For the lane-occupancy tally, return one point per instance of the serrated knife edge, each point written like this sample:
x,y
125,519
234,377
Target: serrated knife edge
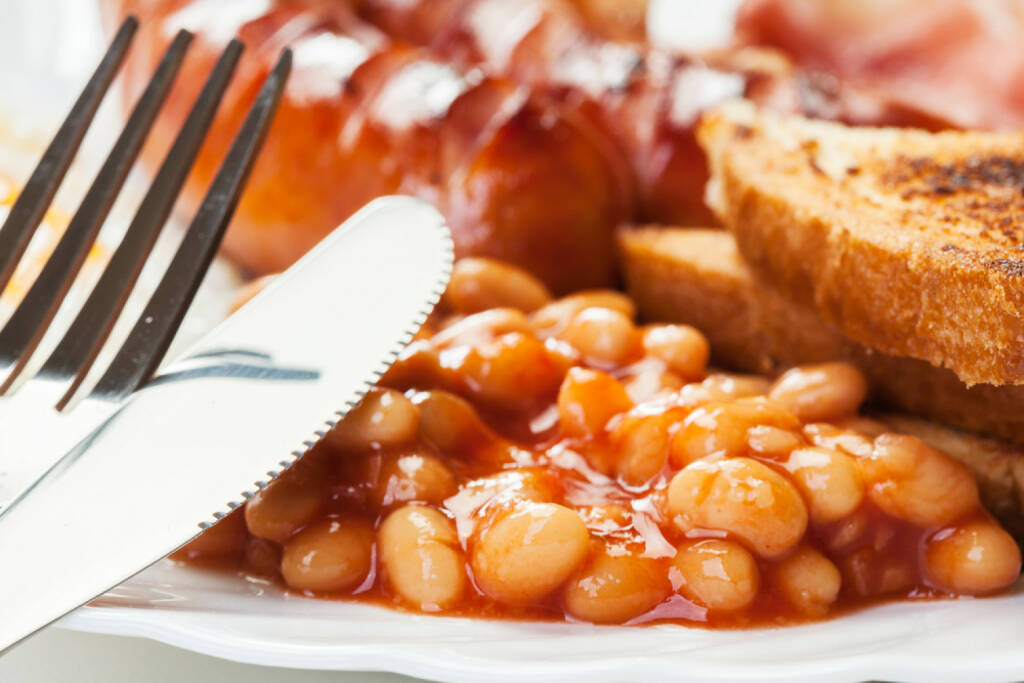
x,y
432,300
167,462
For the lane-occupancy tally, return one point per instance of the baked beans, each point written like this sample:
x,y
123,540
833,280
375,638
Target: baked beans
x,y
451,425
383,418
555,317
587,400
603,336
641,443
537,458
410,477
520,557
509,488
722,429
743,497
481,327
772,442
723,386
478,284
227,538
976,558
290,502
914,482
851,442
513,372
809,581
829,480
614,587
647,380
421,557
331,556
683,348
814,393
719,575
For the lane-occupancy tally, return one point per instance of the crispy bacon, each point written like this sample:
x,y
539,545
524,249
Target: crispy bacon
x,y
958,63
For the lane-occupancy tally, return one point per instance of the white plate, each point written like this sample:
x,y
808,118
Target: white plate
x,y
222,615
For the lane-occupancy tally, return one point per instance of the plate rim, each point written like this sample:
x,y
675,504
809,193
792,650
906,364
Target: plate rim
x,y
225,636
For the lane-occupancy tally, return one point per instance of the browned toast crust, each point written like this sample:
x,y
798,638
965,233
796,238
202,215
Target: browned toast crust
x,y
912,243
697,277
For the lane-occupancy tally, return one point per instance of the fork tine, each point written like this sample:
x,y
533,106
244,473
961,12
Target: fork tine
x,y
27,324
38,192
76,351
145,347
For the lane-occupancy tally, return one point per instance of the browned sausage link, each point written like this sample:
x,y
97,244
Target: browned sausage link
x,y
519,177
646,102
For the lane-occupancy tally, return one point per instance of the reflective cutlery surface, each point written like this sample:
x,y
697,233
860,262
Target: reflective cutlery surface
x,y
42,416
95,489
214,427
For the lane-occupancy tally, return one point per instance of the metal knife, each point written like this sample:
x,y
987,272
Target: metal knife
x,y
245,401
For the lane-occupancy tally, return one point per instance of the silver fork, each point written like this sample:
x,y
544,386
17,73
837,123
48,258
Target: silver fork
x,y
42,422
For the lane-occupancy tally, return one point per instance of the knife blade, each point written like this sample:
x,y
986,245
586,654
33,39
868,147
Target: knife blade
x,y
244,402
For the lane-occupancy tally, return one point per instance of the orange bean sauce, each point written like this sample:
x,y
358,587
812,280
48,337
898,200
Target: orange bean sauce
x,y
611,491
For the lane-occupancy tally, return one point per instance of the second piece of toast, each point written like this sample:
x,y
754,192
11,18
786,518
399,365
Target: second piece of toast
x,y
697,277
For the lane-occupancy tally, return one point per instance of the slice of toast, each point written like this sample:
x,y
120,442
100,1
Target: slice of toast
x,y
697,277
912,243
